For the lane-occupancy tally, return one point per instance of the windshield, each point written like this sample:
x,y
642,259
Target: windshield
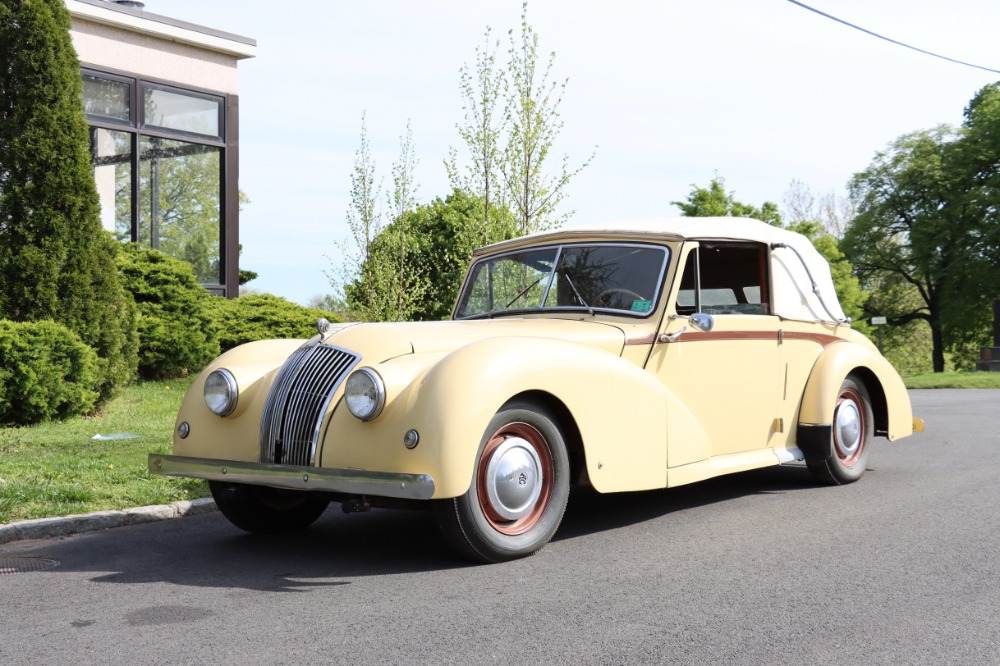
x,y
625,278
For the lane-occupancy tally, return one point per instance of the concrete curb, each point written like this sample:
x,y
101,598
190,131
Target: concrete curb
x,y
43,528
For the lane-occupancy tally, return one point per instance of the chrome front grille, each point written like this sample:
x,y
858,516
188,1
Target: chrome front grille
x,y
299,397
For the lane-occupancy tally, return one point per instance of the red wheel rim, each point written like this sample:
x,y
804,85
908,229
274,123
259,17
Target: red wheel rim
x,y
850,427
526,436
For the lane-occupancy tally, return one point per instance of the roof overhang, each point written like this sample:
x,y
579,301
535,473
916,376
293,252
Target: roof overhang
x,y
162,27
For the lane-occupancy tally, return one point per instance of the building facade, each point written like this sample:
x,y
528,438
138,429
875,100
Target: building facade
x,y
162,104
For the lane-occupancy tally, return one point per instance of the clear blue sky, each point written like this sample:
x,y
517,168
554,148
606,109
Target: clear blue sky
x,y
761,91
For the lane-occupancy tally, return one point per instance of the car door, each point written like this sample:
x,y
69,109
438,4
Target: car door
x,y
727,377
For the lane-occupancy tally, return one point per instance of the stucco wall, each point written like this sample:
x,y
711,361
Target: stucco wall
x,y
148,56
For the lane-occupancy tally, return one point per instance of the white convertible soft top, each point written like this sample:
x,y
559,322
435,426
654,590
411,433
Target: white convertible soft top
x,y
802,288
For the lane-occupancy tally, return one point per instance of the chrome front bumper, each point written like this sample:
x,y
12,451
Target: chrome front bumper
x,y
350,481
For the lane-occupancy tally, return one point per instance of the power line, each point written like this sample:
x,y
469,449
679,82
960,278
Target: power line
x,y
875,34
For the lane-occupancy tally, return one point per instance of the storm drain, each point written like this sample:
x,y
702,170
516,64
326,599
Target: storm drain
x,y
16,565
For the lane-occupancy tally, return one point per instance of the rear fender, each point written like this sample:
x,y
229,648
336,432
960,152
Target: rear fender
x,y
890,402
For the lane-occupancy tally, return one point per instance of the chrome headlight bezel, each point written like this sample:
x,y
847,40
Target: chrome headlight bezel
x,y
221,392
364,394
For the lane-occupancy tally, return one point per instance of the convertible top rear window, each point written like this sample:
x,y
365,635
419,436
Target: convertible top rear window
x,y
611,277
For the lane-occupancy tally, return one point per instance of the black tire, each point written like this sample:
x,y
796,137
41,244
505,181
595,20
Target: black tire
x,y
844,458
264,510
495,521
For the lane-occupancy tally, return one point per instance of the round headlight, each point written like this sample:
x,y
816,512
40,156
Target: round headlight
x,y
364,394
221,392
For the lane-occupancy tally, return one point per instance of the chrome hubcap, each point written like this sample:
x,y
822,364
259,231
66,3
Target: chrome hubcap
x,y
847,428
514,478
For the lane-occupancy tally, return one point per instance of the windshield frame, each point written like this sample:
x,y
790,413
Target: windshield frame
x,y
591,308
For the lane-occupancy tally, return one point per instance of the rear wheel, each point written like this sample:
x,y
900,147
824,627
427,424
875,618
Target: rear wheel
x,y
264,510
845,458
517,497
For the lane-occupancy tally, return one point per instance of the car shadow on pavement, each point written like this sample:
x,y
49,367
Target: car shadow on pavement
x,y
590,512
206,551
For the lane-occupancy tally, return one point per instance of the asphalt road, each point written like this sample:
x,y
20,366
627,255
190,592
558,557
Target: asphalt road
x,y
759,568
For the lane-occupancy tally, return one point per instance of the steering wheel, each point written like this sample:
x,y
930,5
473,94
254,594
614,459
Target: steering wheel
x,y
620,290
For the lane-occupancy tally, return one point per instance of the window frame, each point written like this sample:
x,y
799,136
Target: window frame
x,y
466,291
228,140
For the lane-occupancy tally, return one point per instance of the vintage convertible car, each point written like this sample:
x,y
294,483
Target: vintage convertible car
x,y
628,356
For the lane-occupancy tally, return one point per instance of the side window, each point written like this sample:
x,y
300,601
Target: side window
x,y
725,278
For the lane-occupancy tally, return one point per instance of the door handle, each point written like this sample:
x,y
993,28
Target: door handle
x,y
672,337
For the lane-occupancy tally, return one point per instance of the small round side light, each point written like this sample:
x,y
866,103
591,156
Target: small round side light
x,y
184,429
411,439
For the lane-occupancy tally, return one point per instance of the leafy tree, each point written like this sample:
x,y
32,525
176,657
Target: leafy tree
x,y
482,133
56,262
714,201
375,276
926,234
444,235
511,151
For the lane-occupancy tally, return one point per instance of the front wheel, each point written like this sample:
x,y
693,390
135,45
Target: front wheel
x,y
264,510
519,491
845,458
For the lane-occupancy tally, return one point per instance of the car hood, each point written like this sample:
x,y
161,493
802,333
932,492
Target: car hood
x,y
382,341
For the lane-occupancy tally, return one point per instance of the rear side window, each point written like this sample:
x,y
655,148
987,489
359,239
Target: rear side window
x,y
725,278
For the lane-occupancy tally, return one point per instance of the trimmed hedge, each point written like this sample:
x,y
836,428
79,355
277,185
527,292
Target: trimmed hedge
x,y
46,372
263,317
177,333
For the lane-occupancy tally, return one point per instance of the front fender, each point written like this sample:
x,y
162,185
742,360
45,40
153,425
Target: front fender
x,y
620,410
237,436
890,401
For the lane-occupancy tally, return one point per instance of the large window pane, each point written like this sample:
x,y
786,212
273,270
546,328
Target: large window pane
x,y
179,211
177,111
107,98
111,155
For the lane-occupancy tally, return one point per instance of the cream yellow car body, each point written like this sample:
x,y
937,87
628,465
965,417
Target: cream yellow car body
x,y
643,402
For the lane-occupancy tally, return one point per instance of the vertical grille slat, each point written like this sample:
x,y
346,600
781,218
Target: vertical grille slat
x,y
299,397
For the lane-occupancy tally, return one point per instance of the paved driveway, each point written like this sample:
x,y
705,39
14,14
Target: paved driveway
x,y
759,568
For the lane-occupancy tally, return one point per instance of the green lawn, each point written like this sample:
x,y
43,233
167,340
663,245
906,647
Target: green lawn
x,y
989,380
57,469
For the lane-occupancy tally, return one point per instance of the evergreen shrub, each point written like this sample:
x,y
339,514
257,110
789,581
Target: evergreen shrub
x,y
56,261
263,317
177,334
46,372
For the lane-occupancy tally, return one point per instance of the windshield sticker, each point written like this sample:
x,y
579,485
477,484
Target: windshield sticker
x,y
642,306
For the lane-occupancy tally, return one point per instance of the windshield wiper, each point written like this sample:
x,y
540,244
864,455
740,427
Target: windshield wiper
x,y
578,296
523,292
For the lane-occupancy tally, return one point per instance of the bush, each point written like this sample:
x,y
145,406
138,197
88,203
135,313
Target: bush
x,y
177,334
46,372
263,317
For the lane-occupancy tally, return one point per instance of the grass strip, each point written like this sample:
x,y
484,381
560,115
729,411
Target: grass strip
x,y
57,468
982,380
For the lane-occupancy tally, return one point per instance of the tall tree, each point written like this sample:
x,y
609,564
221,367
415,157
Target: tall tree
x,y
532,112
438,233
928,228
482,131
56,261
715,201
377,278
511,161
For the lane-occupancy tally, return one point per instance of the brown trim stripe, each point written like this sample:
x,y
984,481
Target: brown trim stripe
x,y
821,339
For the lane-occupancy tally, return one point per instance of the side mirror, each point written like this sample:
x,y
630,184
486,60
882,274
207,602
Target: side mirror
x,y
703,321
